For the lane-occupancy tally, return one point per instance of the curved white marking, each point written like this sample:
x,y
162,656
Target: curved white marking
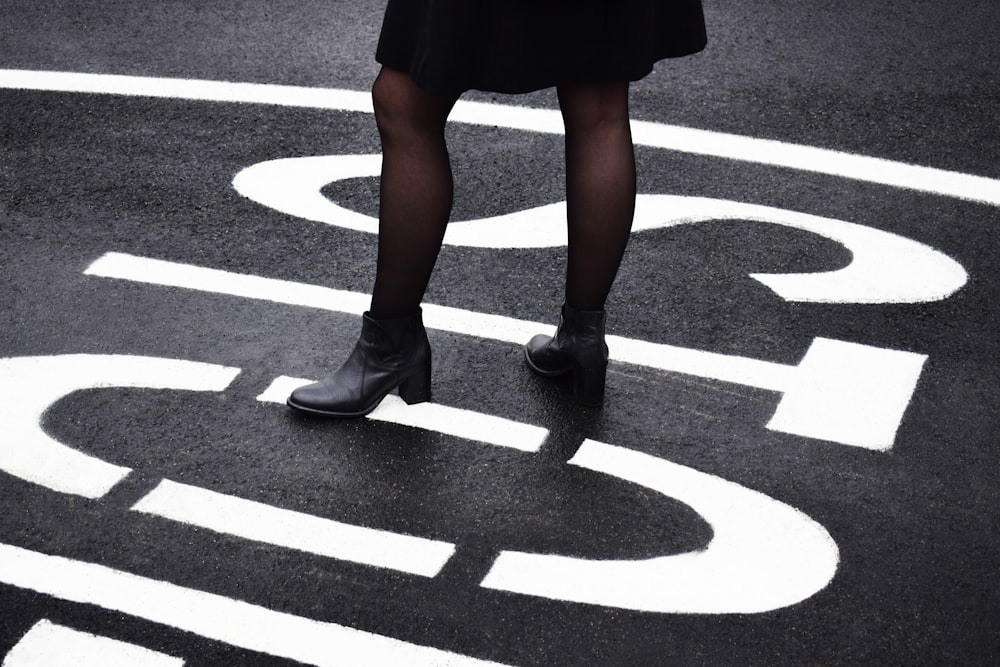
x,y
261,522
292,186
887,268
29,385
657,135
764,554
215,617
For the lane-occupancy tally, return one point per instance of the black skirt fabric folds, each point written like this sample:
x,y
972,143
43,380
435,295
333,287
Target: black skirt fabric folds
x,y
516,46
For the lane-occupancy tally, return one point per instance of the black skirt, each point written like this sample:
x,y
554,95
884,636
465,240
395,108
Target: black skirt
x,y
516,46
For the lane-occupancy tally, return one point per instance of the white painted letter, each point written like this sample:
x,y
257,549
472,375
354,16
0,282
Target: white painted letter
x,y
764,554
30,385
887,268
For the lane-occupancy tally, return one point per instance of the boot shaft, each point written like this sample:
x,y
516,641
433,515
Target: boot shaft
x,y
580,336
397,341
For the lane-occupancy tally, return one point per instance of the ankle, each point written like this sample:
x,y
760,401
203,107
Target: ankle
x,y
583,307
390,314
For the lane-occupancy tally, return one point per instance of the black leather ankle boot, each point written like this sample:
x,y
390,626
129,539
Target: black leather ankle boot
x,y
578,349
389,354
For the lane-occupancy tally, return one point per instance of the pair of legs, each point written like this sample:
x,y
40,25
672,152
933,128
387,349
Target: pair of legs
x,y
416,196
417,189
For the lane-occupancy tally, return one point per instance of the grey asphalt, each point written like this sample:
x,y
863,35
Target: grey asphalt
x,y
917,527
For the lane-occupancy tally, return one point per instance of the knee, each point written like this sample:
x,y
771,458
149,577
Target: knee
x,y
403,110
387,103
591,107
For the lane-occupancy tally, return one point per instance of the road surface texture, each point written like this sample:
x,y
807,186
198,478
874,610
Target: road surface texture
x,y
796,463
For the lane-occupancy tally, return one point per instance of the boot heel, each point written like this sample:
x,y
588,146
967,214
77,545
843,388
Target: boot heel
x,y
588,385
416,388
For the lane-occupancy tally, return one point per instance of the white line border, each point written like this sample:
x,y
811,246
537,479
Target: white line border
x,y
656,135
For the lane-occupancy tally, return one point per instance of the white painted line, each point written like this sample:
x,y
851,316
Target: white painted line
x,y
492,327
51,645
187,89
818,160
460,423
764,554
257,521
130,267
840,392
670,137
280,388
29,385
723,367
215,617
806,412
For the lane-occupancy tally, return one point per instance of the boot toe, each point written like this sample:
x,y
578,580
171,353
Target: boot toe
x,y
310,397
541,359
332,399
537,344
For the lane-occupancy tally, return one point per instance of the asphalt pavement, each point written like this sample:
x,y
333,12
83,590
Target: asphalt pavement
x,y
796,461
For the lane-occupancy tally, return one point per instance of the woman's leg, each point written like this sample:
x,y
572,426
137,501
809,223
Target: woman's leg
x,y
600,187
600,202
415,203
416,191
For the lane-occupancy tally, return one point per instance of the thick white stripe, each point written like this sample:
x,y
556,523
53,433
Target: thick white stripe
x,y
670,137
51,645
435,417
819,160
285,528
462,423
187,89
493,327
215,617
871,412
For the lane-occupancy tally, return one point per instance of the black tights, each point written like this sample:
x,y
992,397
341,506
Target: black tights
x,y
417,189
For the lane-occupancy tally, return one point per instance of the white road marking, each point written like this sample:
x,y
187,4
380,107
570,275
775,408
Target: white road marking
x,y
460,423
187,89
285,528
51,645
656,135
724,504
218,618
29,385
866,415
886,267
739,572
764,554
849,393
